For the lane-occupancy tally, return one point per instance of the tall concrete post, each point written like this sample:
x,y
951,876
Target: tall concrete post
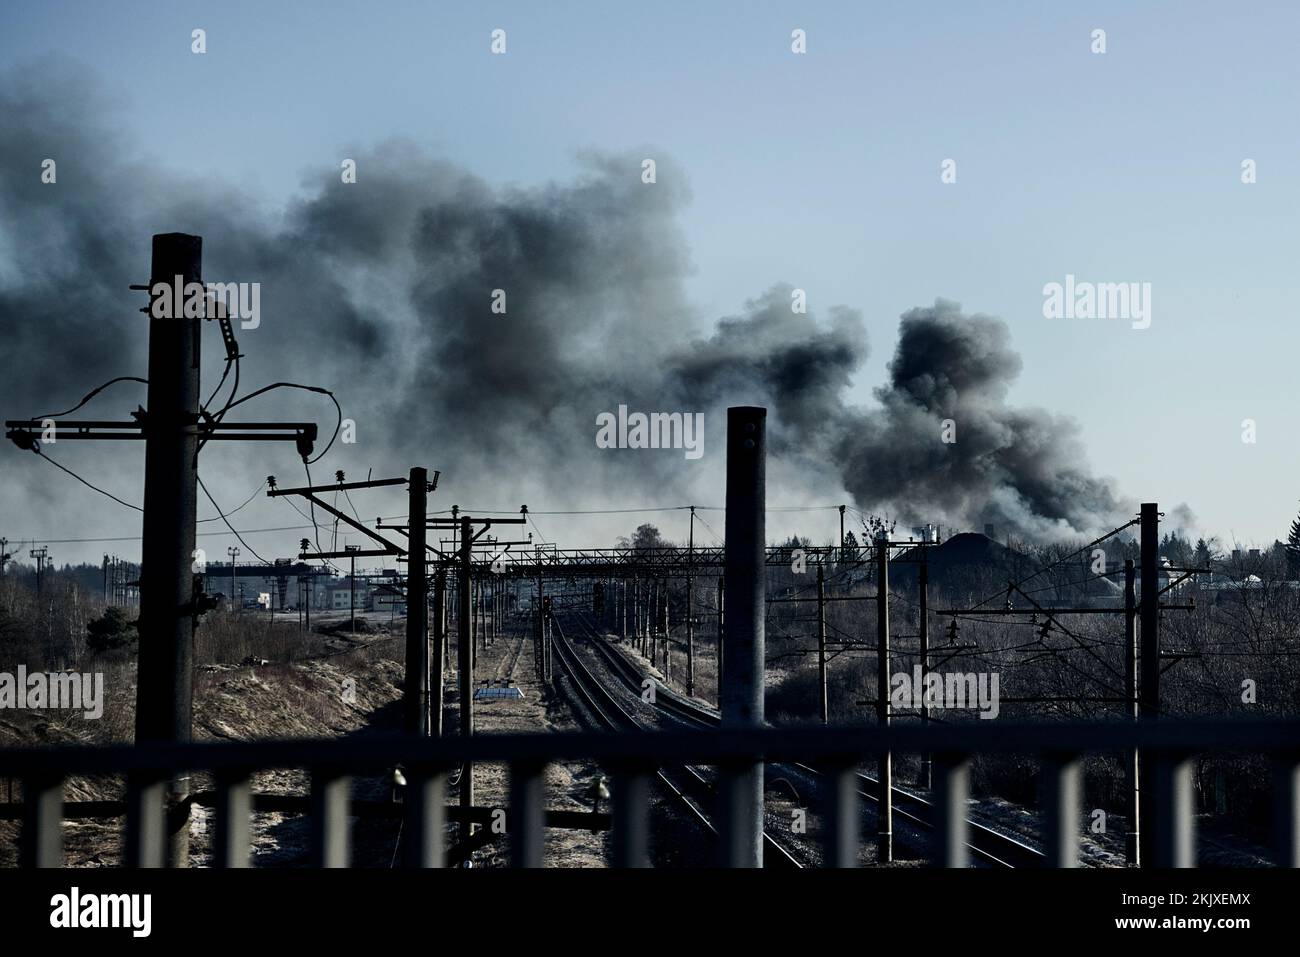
x,y
438,656
923,585
1149,621
744,634
465,661
1132,854
885,805
823,697
721,622
690,637
165,687
664,630
416,703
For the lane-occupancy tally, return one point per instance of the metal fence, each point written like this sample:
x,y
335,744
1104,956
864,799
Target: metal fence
x,y
1168,748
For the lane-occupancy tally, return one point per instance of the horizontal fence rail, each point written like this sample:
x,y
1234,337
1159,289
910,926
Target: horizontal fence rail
x,y
631,758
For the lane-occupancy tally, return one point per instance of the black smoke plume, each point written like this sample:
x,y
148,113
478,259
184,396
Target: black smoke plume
x,y
382,290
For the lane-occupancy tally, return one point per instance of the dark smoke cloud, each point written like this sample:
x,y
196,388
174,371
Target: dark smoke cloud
x,y
382,289
1020,469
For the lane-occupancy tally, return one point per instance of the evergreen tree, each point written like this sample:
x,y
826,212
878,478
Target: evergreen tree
x,y
112,630
1293,546
851,553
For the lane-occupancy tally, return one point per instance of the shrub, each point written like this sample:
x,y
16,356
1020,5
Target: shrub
x,y
111,630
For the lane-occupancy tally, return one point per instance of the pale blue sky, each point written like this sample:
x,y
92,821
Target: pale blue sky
x,y
822,170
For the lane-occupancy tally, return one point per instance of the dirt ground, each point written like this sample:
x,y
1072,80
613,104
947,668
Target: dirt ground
x,y
340,695
353,688
567,787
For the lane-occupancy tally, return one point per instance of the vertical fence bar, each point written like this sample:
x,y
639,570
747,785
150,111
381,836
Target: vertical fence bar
x,y
146,820
842,826
330,841
425,818
230,847
42,838
1286,811
734,817
526,824
1061,809
952,783
1175,844
631,817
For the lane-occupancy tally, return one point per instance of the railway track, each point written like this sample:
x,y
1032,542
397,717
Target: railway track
x,y
505,669
686,784
987,846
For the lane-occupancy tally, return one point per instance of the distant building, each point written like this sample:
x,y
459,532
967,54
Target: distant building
x,y
341,594
280,581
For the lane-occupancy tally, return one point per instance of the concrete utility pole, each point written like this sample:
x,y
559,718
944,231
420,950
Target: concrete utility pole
x,y
465,665
822,691
473,623
446,629
417,608
885,806
653,618
165,689
690,637
1149,618
923,585
664,630
233,552
690,610
540,650
352,584
721,635
1131,836
546,638
643,617
439,649
841,534
746,586
170,595
308,589
1150,610
39,554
